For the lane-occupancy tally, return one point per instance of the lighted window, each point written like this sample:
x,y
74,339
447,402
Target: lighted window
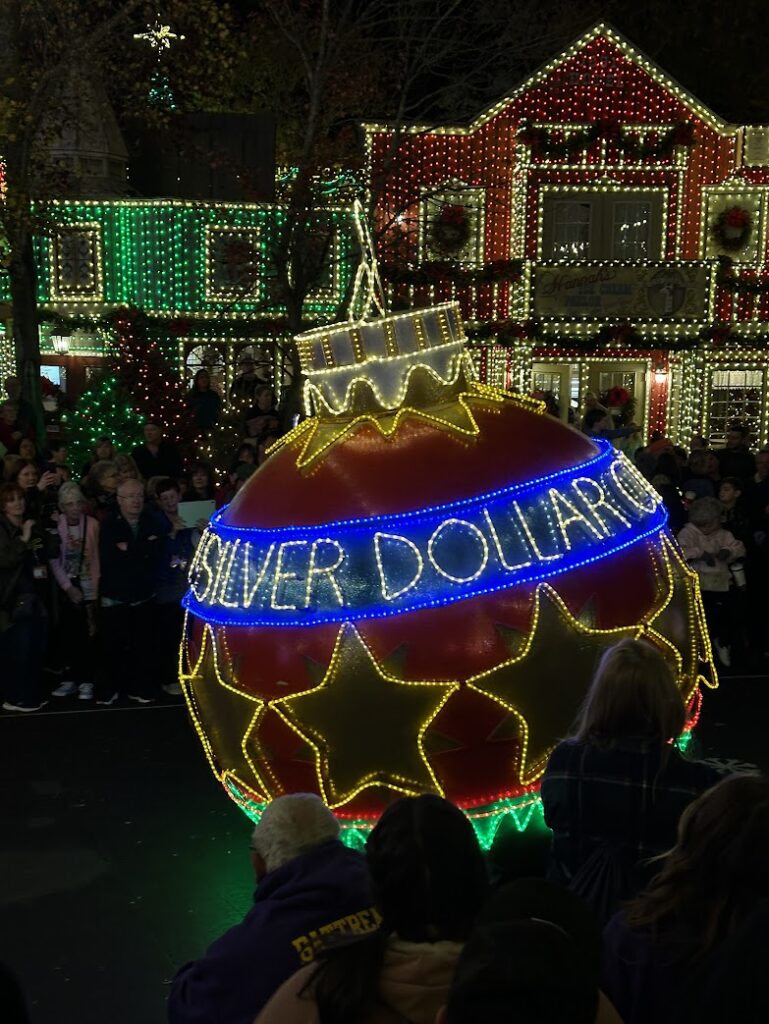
x,y
76,263
735,395
631,228
233,263
571,230
592,225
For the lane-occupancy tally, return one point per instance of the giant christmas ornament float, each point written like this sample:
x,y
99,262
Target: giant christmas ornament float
x,y
411,594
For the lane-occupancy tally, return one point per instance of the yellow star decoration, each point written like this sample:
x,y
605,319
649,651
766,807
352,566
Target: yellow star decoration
x,y
225,710
678,623
547,678
365,726
427,398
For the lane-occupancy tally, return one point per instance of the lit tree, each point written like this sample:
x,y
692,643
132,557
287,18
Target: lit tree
x,y
336,63
43,45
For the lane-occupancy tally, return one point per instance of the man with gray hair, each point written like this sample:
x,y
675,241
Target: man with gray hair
x,y
310,886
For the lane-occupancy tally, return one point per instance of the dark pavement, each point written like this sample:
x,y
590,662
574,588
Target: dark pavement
x,y
121,858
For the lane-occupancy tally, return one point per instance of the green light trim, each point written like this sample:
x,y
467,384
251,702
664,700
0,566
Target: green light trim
x,y
152,254
522,811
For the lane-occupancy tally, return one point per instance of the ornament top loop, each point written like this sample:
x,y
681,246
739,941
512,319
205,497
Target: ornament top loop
x,y
368,294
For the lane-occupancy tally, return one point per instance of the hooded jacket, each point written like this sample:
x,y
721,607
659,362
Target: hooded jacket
x,y
322,891
413,985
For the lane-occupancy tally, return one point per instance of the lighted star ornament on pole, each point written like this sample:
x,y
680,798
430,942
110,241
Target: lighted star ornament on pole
x,y
158,36
421,604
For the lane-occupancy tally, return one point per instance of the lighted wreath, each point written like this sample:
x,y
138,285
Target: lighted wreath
x,y
450,229
732,228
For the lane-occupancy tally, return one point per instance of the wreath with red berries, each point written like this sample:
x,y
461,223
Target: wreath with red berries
x,y
450,229
732,228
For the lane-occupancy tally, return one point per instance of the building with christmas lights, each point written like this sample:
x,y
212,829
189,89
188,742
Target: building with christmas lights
x,y
603,231
197,270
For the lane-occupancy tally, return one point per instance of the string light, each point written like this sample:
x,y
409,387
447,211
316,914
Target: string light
x,y
616,130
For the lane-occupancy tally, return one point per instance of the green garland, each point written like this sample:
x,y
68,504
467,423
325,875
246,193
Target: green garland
x,y
511,334
543,141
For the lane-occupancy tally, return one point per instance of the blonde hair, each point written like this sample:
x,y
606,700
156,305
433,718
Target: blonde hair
x,y
633,694
124,464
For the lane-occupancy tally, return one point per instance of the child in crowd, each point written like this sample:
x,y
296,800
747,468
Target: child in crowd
x,y
711,550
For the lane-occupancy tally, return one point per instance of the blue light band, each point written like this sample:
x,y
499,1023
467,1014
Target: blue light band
x,y
387,565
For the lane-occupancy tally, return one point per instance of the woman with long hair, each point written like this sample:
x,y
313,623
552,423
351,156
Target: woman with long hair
x,y
429,883
613,792
665,952
203,401
199,483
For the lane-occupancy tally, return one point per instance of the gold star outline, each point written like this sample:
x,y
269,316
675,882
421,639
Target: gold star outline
x,y
678,621
545,680
365,726
224,716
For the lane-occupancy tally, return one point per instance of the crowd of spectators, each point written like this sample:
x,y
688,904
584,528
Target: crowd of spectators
x,y
718,507
93,563
647,905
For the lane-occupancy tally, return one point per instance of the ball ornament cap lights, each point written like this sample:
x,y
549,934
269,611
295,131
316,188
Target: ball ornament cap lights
x,y
412,593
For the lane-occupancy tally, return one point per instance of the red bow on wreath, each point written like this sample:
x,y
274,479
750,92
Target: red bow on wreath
x,y
453,214
617,397
736,217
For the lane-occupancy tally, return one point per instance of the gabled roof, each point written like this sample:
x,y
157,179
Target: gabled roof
x,y
697,108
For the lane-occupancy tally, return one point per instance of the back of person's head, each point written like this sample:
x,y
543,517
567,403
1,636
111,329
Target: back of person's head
x,y
519,854
429,882
527,971
705,512
698,461
427,870
593,417
633,695
667,465
290,826
717,871
540,900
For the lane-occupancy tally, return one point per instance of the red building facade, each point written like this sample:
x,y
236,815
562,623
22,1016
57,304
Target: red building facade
x,y
601,229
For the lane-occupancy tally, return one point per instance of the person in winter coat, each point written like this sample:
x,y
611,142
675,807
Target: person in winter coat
x,y
130,550
429,882
538,948
710,549
692,946
25,549
614,791
204,403
309,886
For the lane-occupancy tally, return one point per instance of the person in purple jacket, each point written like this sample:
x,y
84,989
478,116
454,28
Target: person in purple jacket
x,y
310,887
